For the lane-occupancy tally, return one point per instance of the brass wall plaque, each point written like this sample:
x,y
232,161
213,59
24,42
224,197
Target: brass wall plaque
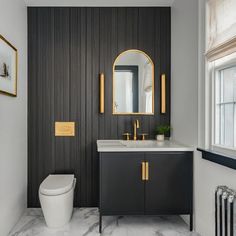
x,y
64,128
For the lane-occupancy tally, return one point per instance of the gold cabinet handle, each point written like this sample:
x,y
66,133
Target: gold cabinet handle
x,y
146,171
143,171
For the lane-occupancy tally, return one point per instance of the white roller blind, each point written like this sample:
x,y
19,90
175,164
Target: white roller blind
x,y
221,27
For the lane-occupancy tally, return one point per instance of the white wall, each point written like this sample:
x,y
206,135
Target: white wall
x,y
184,71
13,121
208,174
188,107
184,46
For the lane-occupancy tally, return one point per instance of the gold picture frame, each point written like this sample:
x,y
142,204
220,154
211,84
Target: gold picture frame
x,y
8,68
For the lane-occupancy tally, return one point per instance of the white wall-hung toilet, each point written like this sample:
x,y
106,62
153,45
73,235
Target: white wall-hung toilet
x,y
56,195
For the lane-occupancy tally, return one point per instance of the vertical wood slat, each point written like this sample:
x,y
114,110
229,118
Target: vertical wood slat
x,y
114,44
88,102
157,60
32,91
165,58
82,126
68,48
45,108
123,121
75,86
95,107
108,65
62,83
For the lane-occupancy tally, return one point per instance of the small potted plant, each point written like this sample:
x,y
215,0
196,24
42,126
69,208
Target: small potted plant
x,y
161,130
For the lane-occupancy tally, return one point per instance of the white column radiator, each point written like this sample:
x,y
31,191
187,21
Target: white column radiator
x,y
225,211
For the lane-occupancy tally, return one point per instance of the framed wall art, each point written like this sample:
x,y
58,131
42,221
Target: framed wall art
x,y
8,68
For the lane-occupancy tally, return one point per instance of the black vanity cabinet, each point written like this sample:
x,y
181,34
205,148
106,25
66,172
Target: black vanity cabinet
x,y
166,190
121,189
169,187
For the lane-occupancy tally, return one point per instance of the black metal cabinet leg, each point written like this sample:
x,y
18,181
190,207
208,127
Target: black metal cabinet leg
x,y
191,222
100,223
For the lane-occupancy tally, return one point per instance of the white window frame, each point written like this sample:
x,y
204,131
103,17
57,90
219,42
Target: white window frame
x,y
213,68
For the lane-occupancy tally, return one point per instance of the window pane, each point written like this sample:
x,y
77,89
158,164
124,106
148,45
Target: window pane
x,y
228,78
222,124
217,124
225,107
229,125
218,87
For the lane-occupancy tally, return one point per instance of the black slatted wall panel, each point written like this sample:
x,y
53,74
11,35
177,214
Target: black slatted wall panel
x,y
67,49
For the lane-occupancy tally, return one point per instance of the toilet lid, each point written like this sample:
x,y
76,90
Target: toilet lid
x,y
56,184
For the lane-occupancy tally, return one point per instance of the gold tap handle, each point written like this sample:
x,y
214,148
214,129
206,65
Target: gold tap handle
x,y
143,136
143,171
127,136
146,171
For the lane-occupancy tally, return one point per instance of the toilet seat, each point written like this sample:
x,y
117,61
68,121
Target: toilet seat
x,y
56,184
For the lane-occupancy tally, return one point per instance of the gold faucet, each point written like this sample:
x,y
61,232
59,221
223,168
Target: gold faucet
x,y
136,126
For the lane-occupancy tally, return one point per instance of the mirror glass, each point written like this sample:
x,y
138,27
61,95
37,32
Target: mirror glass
x,y
133,83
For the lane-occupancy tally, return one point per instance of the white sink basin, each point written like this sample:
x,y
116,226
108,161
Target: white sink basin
x,y
110,143
142,144
139,146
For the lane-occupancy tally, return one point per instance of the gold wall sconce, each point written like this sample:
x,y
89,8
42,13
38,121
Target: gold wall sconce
x,y
163,94
102,90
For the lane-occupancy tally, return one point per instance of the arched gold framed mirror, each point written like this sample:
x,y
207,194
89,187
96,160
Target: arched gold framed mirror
x,y
133,83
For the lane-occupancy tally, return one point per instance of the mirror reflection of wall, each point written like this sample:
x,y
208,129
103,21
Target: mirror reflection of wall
x,y
133,80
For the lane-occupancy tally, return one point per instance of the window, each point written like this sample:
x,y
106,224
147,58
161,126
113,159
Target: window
x,y
225,106
222,115
221,75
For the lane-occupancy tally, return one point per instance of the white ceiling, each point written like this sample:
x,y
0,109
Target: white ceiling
x,y
99,3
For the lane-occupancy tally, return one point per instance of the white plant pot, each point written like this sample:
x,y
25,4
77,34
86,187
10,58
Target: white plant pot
x,y
160,137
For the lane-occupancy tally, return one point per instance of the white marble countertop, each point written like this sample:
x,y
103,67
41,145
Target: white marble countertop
x,y
140,146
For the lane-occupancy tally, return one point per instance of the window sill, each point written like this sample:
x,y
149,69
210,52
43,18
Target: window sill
x,y
219,158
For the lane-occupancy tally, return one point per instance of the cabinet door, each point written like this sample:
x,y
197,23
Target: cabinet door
x,y
121,185
169,187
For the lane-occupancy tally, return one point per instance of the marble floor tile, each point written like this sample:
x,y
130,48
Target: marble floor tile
x,y
85,223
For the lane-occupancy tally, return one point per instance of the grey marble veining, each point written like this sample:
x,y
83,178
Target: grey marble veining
x,y
85,223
